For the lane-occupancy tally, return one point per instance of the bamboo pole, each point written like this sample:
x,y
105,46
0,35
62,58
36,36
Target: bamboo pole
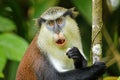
x,y
96,30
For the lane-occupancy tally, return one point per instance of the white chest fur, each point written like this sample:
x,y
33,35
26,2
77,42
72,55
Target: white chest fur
x,y
61,63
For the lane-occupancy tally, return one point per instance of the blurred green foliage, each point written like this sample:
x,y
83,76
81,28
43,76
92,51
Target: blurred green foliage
x,y
6,25
12,46
85,8
17,29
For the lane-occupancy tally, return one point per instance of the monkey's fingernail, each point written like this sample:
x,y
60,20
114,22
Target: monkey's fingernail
x,y
68,49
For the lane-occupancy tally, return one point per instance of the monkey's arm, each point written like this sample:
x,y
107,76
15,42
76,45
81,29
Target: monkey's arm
x,y
87,73
79,60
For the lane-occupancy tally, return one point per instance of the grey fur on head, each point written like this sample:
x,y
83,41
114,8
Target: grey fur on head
x,y
54,13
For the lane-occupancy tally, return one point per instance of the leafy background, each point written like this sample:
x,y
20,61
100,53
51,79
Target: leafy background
x,y
17,29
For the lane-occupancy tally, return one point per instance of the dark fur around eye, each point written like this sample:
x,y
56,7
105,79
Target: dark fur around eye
x,y
40,21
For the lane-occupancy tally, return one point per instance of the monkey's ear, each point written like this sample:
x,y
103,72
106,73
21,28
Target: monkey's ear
x,y
39,21
74,13
71,12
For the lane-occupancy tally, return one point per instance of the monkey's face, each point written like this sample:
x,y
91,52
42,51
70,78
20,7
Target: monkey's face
x,y
55,27
61,33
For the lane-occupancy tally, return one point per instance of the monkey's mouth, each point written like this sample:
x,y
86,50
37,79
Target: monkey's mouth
x,y
60,41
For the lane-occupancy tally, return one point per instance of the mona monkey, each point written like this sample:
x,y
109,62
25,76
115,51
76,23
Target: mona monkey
x,y
56,52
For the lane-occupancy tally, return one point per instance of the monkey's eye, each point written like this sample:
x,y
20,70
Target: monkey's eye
x,y
51,23
59,21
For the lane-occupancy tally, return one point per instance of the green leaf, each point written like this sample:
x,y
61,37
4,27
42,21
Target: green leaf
x,y
1,75
11,70
118,78
6,25
12,46
110,78
85,8
3,61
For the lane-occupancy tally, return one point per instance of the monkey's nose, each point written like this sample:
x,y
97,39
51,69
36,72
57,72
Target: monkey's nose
x,y
60,41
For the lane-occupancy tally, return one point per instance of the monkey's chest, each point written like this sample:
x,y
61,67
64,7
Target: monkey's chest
x,y
62,63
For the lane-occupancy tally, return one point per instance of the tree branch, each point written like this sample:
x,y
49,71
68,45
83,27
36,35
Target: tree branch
x,y
96,31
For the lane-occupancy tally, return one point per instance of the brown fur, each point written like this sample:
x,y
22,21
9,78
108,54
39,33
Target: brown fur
x,y
30,63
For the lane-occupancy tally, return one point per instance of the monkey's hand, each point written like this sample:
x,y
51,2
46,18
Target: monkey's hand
x,y
79,61
100,67
73,53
